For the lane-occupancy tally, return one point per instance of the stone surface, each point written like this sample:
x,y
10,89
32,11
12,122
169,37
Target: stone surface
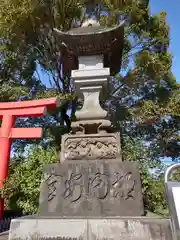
x,y
91,188
23,228
90,146
90,81
129,229
87,62
94,126
91,229
91,108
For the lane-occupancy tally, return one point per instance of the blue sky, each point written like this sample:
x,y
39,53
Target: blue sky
x,y
172,7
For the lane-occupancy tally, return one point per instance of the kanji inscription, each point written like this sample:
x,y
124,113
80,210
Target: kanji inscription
x,y
99,185
92,186
72,187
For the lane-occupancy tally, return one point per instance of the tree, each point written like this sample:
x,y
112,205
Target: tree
x,y
151,177
144,98
23,184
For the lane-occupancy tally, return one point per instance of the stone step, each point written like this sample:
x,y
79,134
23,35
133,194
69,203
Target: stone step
x,y
131,228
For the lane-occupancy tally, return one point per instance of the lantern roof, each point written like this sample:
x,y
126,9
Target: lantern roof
x,y
93,39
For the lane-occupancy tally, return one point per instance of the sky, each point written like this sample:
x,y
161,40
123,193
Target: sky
x,y
172,8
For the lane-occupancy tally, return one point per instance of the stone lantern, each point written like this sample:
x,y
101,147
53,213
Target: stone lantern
x,y
91,53
91,193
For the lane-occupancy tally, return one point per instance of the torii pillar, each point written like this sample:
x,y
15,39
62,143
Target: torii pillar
x,y
9,111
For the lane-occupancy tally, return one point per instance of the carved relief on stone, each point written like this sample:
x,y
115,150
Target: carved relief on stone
x,y
91,147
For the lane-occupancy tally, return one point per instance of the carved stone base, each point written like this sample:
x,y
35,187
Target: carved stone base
x,y
91,188
90,147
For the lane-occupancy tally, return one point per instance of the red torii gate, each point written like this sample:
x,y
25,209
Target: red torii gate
x,y
9,111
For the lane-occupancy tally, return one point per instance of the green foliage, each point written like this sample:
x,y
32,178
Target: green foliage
x,y
143,103
152,187
21,189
